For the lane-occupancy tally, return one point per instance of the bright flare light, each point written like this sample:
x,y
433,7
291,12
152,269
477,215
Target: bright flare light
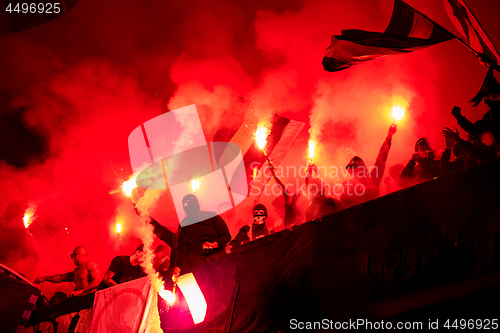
x,y
167,295
261,136
397,112
194,297
195,184
312,147
118,227
129,186
26,220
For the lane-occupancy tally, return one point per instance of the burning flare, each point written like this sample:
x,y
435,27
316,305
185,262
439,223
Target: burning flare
x,y
312,147
261,137
167,295
26,220
118,227
128,187
397,112
195,184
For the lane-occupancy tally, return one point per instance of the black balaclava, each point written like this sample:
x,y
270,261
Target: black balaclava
x,y
260,207
259,229
191,205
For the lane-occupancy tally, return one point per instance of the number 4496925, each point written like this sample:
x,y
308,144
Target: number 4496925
x,y
485,324
41,8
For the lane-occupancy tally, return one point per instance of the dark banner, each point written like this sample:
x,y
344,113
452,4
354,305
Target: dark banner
x,y
425,236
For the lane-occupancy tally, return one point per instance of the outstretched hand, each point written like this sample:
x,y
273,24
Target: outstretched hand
x,y
450,135
456,112
39,280
393,129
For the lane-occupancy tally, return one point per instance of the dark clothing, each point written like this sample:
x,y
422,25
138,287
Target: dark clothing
x,y
123,270
258,231
322,205
361,189
447,166
168,237
467,155
190,238
416,173
241,237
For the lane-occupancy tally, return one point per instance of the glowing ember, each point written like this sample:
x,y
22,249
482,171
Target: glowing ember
x,y
26,220
194,297
118,227
129,186
195,184
312,146
167,295
261,136
397,112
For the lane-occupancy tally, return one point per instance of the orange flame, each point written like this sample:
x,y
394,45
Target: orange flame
x,y
397,112
254,173
26,220
195,184
261,136
129,186
312,147
167,295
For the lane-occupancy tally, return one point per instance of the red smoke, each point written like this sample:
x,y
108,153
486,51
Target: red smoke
x,y
75,88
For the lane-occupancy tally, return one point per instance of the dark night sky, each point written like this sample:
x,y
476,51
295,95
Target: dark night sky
x,y
74,88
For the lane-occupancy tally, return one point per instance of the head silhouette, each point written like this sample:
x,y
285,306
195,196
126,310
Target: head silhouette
x,y
190,205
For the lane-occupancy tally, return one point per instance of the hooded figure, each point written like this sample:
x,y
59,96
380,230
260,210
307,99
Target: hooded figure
x,y
200,234
421,167
365,184
258,228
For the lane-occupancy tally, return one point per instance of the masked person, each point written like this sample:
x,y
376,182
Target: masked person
x,y
258,228
365,185
124,269
86,274
200,235
321,204
421,167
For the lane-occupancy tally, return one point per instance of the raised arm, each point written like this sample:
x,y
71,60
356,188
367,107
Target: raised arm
x,y
380,163
163,233
476,128
288,197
